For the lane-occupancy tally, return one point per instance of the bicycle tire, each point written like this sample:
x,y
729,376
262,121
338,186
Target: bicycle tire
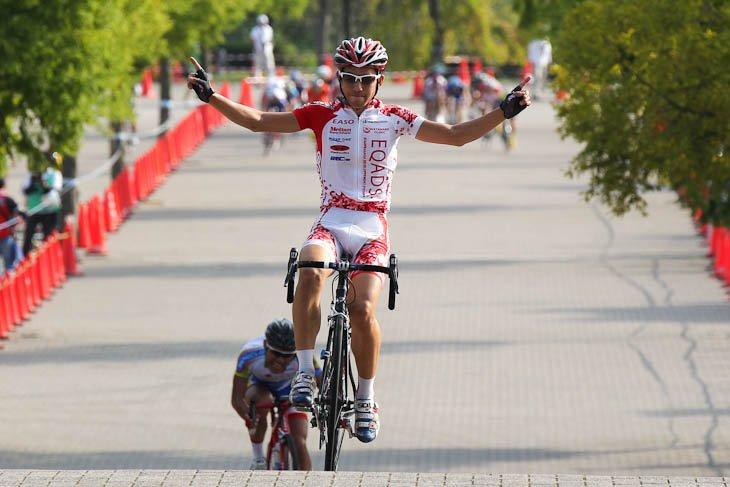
x,y
334,400
290,455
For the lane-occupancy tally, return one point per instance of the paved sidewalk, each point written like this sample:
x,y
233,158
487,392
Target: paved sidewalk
x,y
244,478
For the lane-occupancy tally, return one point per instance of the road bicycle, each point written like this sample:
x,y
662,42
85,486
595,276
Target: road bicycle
x,y
281,453
334,407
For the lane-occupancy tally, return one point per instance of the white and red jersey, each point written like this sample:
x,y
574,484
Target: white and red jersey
x,y
356,156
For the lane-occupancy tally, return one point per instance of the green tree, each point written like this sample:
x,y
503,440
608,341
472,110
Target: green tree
x,y
649,100
66,64
486,28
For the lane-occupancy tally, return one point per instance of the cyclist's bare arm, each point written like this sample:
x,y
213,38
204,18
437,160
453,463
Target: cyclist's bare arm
x,y
254,119
238,400
461,133
465,132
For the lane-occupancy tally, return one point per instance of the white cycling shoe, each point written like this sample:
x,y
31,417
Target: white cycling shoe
x,y
258,465
367,421
302,391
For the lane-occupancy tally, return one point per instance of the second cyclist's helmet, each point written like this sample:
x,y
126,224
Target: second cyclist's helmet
x,y
280,335
361,52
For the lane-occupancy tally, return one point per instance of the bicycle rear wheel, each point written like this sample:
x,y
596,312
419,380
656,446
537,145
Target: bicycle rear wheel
x,y
335,397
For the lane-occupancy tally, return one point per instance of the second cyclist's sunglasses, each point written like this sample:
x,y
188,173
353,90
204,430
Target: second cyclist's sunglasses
x,y
365,79
279,353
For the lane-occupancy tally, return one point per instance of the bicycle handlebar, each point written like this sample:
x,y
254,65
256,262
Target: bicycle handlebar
x,y
342,266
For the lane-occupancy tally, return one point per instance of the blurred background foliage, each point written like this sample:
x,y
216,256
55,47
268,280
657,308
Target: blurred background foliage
x,y
644,81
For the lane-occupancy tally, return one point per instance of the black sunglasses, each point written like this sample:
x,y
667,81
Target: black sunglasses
x,y
365,79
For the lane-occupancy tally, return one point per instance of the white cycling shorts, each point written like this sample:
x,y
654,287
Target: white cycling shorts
x,y
360,234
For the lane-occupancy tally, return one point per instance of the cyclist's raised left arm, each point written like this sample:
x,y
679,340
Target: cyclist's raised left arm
x,y
461,133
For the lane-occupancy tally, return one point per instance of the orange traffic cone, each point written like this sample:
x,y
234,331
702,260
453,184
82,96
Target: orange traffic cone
x,y
417,86
84,228
147,84
111,213
96,224
68,244
245,97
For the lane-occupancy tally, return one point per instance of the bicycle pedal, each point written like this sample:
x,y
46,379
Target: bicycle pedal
x,y
346,425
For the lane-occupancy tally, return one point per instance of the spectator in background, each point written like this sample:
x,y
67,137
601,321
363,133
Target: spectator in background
x,y
43,193
540,55
9,248
262,36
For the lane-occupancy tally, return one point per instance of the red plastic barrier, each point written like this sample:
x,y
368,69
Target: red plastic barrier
x,y
96,220
417,86
21,297
5,325
13,309
464,72
721,242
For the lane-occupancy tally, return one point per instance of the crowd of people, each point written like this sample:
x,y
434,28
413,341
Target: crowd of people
x,y
42,216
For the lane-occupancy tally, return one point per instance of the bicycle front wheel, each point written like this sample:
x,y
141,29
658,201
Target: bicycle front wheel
x,y
290,455
335,396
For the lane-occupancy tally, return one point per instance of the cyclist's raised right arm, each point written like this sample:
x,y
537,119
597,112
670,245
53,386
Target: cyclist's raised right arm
x,y
242,115
253,119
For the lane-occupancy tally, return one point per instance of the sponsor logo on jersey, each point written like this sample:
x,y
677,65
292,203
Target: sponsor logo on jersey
x,y
340,130
340,148
340,139
340,158
375,130
341,121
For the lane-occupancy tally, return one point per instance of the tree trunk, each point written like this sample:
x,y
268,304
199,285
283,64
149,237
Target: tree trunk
x,y
164,90
437,47
324,29
346,18
69,199
115,144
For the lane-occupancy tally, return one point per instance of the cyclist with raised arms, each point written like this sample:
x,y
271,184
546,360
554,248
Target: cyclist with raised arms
x,y
356,157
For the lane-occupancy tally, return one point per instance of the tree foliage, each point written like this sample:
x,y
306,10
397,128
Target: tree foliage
x,y
648,98
67,62
486,28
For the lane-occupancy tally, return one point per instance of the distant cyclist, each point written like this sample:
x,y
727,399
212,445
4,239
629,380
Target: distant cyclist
x,y
456,97
434,93
265,368
356,139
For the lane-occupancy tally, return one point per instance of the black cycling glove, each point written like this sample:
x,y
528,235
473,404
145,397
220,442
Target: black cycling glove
x,y
511,105
201,86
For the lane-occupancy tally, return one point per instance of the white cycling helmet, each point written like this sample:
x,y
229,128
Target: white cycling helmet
x,y
361,52
262,19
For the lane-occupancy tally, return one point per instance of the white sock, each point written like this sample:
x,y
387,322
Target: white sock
x,y
258,451
306,361
365,388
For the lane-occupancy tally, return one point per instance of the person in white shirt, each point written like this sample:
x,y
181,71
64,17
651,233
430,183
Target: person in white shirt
x,y
262,36
540,54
